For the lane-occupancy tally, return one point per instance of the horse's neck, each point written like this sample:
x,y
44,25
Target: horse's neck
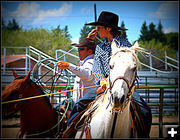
x,y
104,118
123,124
37,114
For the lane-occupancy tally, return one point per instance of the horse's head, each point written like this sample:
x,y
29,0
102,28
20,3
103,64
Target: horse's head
x,y
14,91
122,72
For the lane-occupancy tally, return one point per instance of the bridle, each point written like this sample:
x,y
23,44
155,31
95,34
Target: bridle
x,y
111,84
123,78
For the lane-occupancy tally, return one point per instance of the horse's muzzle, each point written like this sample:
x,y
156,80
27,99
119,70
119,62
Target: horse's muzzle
x,y
117,99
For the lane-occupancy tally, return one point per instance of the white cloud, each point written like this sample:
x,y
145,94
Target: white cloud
x,y
30,13
62,11
26,11
168,30
75,40
166,10
87,11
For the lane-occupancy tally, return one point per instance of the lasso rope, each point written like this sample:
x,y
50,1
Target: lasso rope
x,y
38,96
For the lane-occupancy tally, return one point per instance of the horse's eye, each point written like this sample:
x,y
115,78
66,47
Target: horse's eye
x,y
111,66
133,68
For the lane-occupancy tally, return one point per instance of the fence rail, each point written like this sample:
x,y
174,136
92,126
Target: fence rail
x,y
170,58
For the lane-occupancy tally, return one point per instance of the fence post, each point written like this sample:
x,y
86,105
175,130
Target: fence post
x,y
29,59
161,113
177,58
165,59
64,55
150,60
39,71
26,60
4,69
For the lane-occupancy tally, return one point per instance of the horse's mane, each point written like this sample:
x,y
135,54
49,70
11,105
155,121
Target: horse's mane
x,y
38,87
132,50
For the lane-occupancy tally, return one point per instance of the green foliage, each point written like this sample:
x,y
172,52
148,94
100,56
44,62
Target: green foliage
x,y
144,32
155,39
150,32
12,25
41,39
153,45
172,40
85,31
65,32
123,32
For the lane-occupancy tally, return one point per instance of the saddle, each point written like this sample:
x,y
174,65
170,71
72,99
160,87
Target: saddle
x,y
71,130
79,121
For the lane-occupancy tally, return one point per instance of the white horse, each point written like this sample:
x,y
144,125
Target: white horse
x,y
109,115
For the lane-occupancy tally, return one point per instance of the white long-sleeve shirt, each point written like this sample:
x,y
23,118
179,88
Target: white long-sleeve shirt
x,y
83,77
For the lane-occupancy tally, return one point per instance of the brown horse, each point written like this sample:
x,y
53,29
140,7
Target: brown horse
x,y
36,115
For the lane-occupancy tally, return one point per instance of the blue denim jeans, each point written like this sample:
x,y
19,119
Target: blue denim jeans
x,y
82,103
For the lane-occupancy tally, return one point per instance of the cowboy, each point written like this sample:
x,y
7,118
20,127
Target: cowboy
x,y
86,50
107,27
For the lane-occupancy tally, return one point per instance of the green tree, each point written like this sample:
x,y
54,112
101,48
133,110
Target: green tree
x,y
144,32
56,31
172,40
66,32
42,39
13,25
3,24
161,36
85,31
153,34
123,32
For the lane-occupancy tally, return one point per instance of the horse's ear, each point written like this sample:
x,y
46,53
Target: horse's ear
x,y
28,76
135,47
114,47
15,74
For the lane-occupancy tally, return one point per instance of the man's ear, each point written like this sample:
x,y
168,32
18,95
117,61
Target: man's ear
x,y
108,29
90,51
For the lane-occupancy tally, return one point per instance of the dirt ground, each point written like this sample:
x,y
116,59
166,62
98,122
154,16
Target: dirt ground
x,y
12,132
9,132
154,133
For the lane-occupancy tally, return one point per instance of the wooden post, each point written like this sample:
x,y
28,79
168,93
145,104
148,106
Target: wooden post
x,y
39,71
29,59
165,59
26,70
150,60
95,18
4,68
161,113
95,12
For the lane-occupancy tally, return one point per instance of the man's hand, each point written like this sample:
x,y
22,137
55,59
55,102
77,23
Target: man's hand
x,y
92,34
103,86
62,64
104,83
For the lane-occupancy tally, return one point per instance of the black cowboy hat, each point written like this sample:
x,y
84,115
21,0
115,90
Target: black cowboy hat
x,y
107,19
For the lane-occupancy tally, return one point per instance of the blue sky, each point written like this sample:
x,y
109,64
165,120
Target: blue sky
x,y
74,14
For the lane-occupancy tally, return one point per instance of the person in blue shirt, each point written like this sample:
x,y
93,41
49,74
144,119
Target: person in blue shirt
x,y
107,28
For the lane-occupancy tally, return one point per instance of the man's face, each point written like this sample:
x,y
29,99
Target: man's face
x,y
83,52
102,31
